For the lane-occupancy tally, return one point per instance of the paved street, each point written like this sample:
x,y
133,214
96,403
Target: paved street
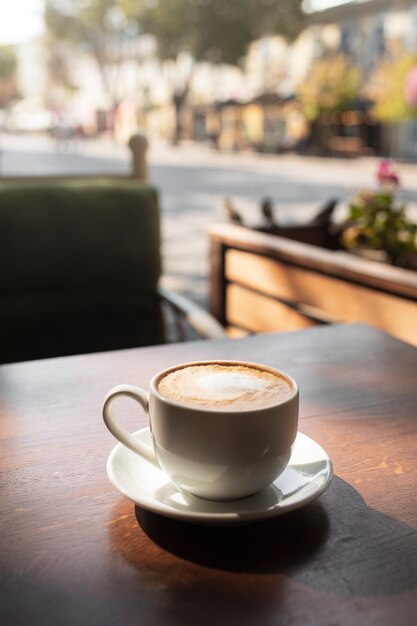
x,y
193,182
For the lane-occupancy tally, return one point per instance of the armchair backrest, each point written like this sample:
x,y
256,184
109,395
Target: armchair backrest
x,y
79,267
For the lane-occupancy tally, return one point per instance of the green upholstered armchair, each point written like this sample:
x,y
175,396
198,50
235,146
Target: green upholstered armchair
x,y
79,269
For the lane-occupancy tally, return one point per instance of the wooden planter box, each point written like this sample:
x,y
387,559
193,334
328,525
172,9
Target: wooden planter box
x,y
262,283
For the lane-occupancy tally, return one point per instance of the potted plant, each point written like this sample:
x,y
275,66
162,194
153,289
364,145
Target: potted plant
x,y
377,225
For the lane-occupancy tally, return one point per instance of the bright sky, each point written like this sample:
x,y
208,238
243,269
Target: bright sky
x,y
320,5
20,20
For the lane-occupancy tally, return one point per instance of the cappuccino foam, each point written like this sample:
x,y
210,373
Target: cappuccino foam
x,y
231,387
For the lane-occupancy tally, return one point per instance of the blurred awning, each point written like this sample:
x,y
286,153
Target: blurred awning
x,y
264,99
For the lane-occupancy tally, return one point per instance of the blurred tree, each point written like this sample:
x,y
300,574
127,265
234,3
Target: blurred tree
x,y
59,65
214,30
99,27
8,68
218,31
8,62
331,85
386,88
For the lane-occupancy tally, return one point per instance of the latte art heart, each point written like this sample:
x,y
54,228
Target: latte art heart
x,y
228,386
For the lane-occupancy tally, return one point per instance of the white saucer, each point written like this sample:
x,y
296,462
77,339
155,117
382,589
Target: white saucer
x,y
307,475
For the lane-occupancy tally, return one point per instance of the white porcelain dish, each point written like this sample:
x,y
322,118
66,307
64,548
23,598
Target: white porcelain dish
x,y
307,475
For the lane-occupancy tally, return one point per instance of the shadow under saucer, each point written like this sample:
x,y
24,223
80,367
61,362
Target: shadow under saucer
x,y
337,544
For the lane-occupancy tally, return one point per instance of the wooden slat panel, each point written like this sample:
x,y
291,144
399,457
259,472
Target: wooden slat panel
x,y
344,300
334,263
259,313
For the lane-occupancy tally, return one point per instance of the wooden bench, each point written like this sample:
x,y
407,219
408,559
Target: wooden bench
x,y
262,283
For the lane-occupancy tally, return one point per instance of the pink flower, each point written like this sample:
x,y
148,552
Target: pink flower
x,y
410,87
386,174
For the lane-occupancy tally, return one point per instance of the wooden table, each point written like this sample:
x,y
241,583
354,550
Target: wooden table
x,y
74,551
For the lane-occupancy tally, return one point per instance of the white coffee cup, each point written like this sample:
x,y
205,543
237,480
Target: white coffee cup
x,y
211,452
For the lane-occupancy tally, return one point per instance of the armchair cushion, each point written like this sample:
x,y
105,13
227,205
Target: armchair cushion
x,y
79,267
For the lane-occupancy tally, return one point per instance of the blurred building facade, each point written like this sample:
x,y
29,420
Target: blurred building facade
x,y
254,106
369,33
363,32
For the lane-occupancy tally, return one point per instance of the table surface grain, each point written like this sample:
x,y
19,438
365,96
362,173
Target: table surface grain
x,y
74,551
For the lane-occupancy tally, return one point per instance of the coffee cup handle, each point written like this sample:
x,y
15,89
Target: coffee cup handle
x,y
116,429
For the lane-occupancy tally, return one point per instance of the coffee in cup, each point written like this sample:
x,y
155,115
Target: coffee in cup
x,y
221,430
226,387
